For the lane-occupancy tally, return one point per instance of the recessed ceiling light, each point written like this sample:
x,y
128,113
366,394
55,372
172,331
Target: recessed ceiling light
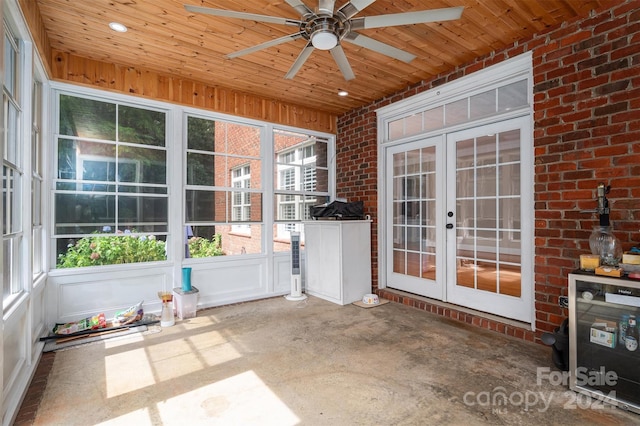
x,y
117,26
342,93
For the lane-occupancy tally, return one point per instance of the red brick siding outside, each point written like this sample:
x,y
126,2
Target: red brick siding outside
x,y
586,131
243,140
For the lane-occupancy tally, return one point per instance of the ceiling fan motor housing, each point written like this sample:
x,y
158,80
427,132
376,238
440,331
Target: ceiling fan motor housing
x,y
324,31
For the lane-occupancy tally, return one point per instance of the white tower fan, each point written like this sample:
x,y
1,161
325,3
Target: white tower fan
x,y
296,278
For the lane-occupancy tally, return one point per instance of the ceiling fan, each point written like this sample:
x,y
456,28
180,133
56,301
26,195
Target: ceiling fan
x,y
325,29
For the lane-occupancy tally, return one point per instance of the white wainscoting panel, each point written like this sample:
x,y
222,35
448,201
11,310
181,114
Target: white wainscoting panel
x,y
230,280
14,364
77,294
38,319
83,294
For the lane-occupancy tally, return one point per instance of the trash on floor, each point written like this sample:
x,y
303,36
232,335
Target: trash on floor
x,y
97,326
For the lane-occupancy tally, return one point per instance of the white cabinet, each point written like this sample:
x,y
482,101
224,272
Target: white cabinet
x,y
338,256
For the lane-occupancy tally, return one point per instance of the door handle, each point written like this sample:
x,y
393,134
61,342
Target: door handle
x,y
449,225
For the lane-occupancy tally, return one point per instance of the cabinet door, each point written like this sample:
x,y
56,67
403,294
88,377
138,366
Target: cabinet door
x,y
600,309
323,260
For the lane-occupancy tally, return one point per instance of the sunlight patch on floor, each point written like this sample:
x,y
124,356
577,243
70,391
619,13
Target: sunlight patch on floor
x,y
127,372
138,418
241,399
177,358
167,360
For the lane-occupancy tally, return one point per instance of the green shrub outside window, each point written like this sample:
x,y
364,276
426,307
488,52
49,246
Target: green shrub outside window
x,y
128,248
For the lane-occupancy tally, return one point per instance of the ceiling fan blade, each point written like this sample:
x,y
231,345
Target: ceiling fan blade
x,y
264,45
302,58
353,7
343,63
377,46
408,18
302,8
325,7
242,15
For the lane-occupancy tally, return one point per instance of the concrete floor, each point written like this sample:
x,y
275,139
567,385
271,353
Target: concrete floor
x,y
278,362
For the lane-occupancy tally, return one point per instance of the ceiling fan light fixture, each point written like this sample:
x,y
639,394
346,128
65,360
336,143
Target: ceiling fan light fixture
x,y
324,40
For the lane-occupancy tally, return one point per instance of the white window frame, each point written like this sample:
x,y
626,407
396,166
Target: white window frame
x,y
298,203
13,147
242,181
37,180
118,101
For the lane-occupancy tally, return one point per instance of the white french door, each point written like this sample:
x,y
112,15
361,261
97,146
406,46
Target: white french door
x,y
488,246
415,259
454,218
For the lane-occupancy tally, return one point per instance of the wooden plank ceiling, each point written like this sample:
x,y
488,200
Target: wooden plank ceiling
x,y
165,38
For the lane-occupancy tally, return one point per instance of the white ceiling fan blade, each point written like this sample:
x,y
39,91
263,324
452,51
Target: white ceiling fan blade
x,y
264,45
353,7
302,8
408,18
242,15
325,7
302,58
377,46
343,63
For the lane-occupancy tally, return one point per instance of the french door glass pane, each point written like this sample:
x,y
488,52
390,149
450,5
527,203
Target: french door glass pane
x,y
486,150
488,213
414,212
509,181
486,178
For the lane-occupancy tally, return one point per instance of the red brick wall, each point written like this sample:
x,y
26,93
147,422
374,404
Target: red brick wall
x,y
587,130
243,140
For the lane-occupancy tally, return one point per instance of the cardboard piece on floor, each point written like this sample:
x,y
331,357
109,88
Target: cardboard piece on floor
x,y
54,345
367,306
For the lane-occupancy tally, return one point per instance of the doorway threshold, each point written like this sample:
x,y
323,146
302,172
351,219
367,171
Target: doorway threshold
x,y
510,327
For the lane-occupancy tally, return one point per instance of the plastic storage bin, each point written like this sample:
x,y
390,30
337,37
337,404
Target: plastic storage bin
x,y
185,302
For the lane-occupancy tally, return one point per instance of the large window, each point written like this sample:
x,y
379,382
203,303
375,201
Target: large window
x,y
12,172
223,190
110,183
301,179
